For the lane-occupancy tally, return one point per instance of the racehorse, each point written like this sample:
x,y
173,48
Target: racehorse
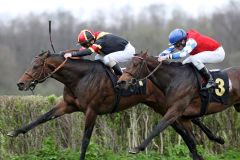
x,y
180,86
88,89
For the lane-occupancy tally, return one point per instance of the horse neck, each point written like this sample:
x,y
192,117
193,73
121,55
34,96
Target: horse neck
x,y
72,71
163,76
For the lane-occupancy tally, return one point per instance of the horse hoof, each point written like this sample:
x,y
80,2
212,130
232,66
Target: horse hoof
x,y
198,158
12,134
117,87
201,158
134,150
220,140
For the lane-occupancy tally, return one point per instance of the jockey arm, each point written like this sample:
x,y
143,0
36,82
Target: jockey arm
x,y
85,51
167,51
190,45
82,53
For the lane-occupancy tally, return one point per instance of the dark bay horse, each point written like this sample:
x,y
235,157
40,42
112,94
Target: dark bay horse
x,y
88,89
180,86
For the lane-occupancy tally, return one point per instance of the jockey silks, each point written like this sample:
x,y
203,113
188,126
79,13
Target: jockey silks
x,y
204,43
108,43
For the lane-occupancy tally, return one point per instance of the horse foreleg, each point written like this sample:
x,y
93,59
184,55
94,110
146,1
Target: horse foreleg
x,y
186,133
89,125
207,131
169,118
60,109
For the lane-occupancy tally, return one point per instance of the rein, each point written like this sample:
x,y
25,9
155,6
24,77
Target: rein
x,y
37,80
151,73
155,69
56,69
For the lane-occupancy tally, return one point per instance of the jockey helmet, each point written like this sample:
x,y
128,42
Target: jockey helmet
x,y
177,35
85,37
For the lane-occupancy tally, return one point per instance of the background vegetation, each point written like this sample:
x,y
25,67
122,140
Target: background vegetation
x,y
113,135
22,38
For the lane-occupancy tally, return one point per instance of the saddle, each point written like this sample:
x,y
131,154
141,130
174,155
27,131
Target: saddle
x,y
138,89
219,94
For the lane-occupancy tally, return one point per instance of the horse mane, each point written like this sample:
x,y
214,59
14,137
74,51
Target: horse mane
x,y
75,60
76,63
154,58
177,64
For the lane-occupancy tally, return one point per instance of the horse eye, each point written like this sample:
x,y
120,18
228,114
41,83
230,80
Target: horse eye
x,y
35,66
135,64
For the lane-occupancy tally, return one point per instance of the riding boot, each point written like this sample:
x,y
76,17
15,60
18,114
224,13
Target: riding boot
x,y
117,70
206,74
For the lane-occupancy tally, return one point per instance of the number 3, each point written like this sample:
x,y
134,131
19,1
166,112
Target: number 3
x,y
220,90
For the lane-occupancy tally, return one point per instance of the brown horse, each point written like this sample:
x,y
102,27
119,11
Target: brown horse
x,y
89,89
180,86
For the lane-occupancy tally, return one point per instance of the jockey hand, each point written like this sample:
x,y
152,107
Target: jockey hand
x,y
164,57
163,54
61,53
67,55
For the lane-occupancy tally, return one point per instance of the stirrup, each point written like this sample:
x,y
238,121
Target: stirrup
x,y
210,84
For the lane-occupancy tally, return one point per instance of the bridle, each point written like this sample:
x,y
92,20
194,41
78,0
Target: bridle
x,y
143,62
43,73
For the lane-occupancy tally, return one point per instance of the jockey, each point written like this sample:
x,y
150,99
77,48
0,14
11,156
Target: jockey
x,y
110,49
202,49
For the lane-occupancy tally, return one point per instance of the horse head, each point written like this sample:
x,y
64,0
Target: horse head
x,y
38,72
136,70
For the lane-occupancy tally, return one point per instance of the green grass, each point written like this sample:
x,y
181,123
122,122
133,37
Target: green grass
x,y
49,151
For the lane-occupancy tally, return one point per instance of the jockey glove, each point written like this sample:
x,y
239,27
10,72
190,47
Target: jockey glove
x,y
82,53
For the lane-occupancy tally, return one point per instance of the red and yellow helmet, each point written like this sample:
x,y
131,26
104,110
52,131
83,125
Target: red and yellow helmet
x,y
85,37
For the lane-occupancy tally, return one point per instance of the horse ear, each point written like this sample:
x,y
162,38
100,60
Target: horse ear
x,y
46,54
145,55
146,51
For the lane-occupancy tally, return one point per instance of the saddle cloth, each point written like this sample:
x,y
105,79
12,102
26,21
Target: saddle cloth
x,y
220,93
138,89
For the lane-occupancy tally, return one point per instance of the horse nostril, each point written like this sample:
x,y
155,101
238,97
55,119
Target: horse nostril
x,y
117,87
20,85
120,83
133,81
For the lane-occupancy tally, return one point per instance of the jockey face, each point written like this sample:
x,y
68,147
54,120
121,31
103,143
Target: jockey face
x,y
180,45
91,42
87,45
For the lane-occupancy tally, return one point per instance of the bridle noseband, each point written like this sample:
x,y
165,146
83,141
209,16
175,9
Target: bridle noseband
x,y
143,62
43,73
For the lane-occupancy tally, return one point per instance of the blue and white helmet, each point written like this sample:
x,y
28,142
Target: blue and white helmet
x,y
176,35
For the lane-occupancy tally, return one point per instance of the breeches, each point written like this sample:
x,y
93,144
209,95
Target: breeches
x,y
201,58
119,56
